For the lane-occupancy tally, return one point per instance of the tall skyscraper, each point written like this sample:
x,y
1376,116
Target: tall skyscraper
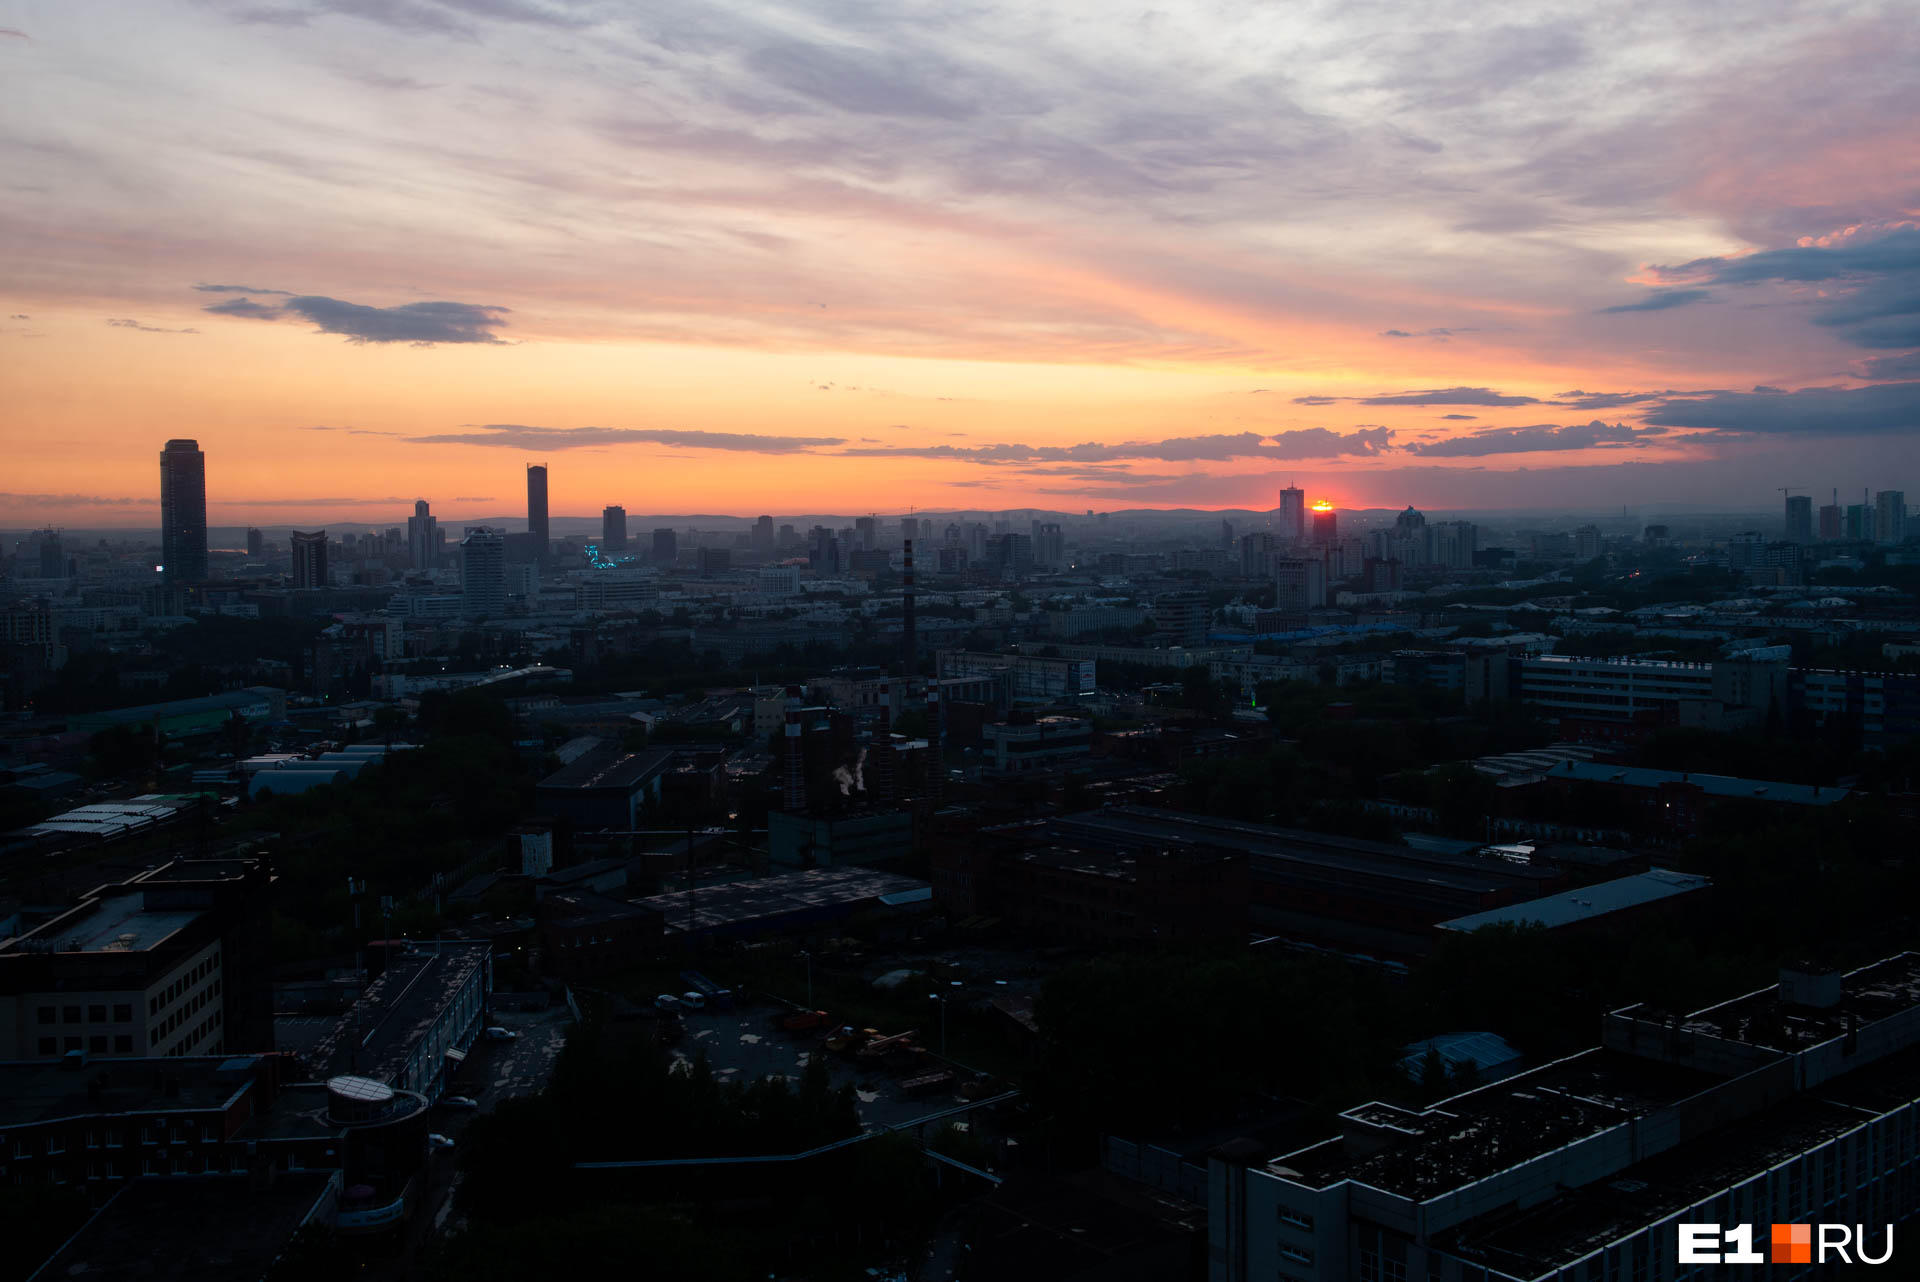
x,y
763,538
613,530
256,544
423,538
666,547
1890,516
53,559
310,559
1293,513
866,533
1799,519
537,510
483,572
183,512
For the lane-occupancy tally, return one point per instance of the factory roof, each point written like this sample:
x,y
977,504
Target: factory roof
x,y
1587,903
609,768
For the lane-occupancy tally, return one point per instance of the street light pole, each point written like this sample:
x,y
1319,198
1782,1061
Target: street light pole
x,y
809,958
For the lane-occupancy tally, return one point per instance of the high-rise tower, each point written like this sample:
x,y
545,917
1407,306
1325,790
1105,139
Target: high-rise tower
x,y
613,530
310,559
1293,513
537,510
424,543
183,512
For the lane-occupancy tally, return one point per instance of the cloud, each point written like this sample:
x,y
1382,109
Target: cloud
x,y
1661,300
148,329
72,500
1905,365
1580,400
1824,411
1877,276
386,501
521,437
422,324
1304,443
1537,438
1460,416
14,33
484,498
244,307
19,316
1427,396
1441,334
241,289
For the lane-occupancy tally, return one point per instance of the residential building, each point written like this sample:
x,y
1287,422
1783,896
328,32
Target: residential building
x,y
1799,522
1299,585
425,543
613,530
483,573
666,547
1293,514
1890,516
310,560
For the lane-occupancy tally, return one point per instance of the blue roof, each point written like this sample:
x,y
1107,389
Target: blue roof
x,y
1586,903
1489,1053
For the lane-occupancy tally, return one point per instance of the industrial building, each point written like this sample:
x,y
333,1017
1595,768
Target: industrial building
x,y
1791,1104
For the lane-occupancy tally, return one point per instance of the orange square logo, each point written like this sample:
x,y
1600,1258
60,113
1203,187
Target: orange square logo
x,y
1793,1244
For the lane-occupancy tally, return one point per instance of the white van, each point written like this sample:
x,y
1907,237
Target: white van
x,y
694,1001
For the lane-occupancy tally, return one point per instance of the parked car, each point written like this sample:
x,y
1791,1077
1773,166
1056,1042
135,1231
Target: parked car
x,y
437,1140
668,1002
693,1001
462,1103
499,1034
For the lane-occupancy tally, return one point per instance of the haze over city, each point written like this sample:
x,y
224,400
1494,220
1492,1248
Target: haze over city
x,y
767,258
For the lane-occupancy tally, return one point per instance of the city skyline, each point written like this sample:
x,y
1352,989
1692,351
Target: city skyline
x,y
993,260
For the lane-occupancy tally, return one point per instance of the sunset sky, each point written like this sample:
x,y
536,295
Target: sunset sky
x,y
859,255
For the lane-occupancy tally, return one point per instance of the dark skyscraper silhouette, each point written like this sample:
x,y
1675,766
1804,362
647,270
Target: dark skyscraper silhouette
x,y
613,529
183,512
537,510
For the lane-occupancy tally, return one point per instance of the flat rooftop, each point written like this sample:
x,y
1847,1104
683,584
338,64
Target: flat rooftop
x,y
1765,1018
1587,903
1140,825
606,768
1540,1240
35,1091
377,1033
118,922
794,894
1472,1136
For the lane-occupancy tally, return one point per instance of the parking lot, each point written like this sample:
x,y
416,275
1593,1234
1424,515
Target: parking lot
x,y
745,1043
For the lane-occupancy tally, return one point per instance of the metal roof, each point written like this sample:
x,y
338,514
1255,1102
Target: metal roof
x,y
1587,902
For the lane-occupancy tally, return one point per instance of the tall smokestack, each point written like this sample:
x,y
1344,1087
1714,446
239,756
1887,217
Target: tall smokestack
x,y
909,642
